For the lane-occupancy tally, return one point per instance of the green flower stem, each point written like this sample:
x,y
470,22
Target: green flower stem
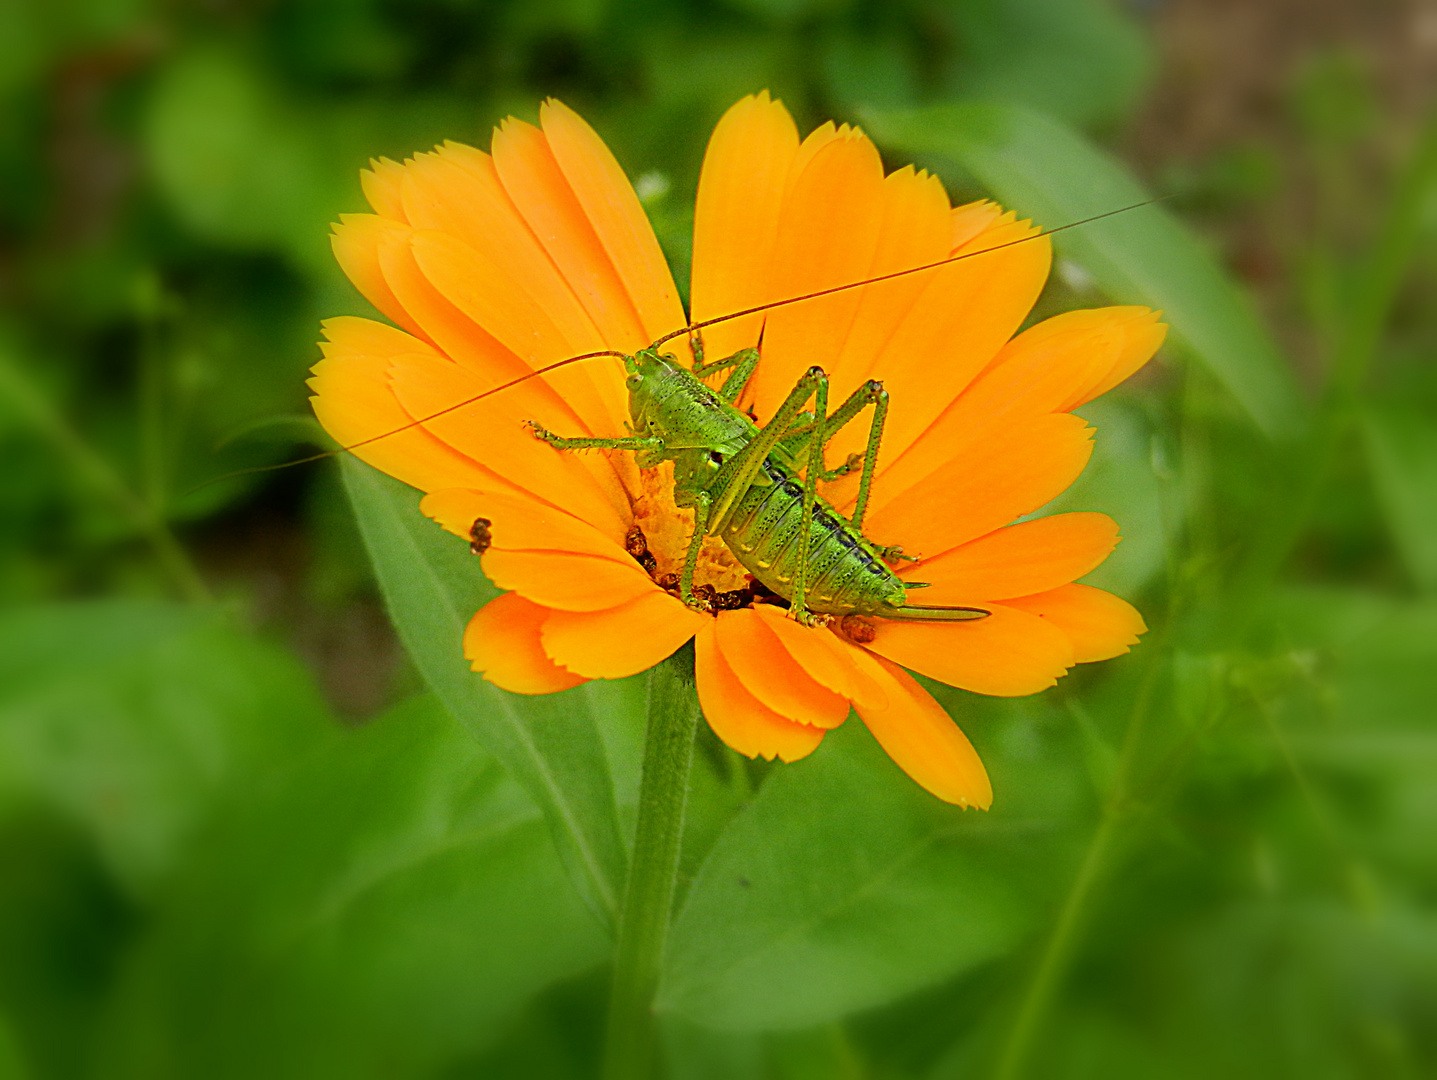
x,y
630,1046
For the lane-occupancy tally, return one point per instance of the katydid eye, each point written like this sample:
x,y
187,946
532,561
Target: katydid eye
x,y
715,458
634,381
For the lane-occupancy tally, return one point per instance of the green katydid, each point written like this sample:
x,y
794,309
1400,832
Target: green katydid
x,y
756,486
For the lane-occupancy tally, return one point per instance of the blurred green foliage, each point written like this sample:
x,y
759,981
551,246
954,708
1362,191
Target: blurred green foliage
x,y
1211,857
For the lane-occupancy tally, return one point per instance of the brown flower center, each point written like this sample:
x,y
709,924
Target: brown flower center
x,y
659,540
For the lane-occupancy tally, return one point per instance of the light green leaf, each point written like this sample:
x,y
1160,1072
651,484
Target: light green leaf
x,y
132,719
1082,60
552,744
378,909
1049,172
841,886
1402,451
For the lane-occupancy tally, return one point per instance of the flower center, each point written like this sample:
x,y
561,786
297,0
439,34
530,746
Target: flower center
x,y
659,540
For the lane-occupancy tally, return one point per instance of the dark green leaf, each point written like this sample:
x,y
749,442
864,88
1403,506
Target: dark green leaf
x,y
1049,172
553,744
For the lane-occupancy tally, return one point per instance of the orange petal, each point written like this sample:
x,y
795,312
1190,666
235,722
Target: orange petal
x,y
518,522
966,314
502,643
1099,624
456,192
381,183
356,241
489,295
1011,653
493,431
1142,336
827,236
971,219
826,660
617,217
736,716
567,581
1030,557
621,641
923,740
354,403
1067,360
759,661
915,232
741,187
985,486
537,186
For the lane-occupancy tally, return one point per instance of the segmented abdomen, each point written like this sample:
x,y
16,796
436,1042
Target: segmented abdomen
x,y
844,576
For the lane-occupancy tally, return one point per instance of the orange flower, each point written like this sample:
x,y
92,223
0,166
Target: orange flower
x,y
494,264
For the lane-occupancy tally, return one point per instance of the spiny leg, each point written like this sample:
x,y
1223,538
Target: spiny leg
x,y
702,502
870,393
627,442
744,362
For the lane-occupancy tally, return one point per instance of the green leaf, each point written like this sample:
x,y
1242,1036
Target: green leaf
x,y
1047,171
552,744
133,718
1402,452
379,908
841,886
1081,60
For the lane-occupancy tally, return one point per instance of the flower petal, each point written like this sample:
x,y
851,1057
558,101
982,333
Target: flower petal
x,y
923,740
736,716
617,217
502,643
493,431
1099,624
984,485
621,641
1141,336
966,314
741,188
768,671
488,293
354,403
356,242
826,660
915,231
565,580
382,183
519,522
1030,557
537,186
1011,653
827,236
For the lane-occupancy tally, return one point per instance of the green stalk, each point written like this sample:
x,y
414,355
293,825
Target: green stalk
x,y
630,1045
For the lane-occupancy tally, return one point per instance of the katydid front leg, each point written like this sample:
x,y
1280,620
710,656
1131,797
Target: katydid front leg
x,y
627,442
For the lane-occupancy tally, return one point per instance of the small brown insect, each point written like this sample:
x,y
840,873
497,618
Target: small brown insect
x,y
479,536
856,628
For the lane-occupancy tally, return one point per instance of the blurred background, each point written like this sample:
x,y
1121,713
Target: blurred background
x,y
239,838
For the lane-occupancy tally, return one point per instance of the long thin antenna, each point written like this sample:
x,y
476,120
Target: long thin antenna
x,y
681,332
691,327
